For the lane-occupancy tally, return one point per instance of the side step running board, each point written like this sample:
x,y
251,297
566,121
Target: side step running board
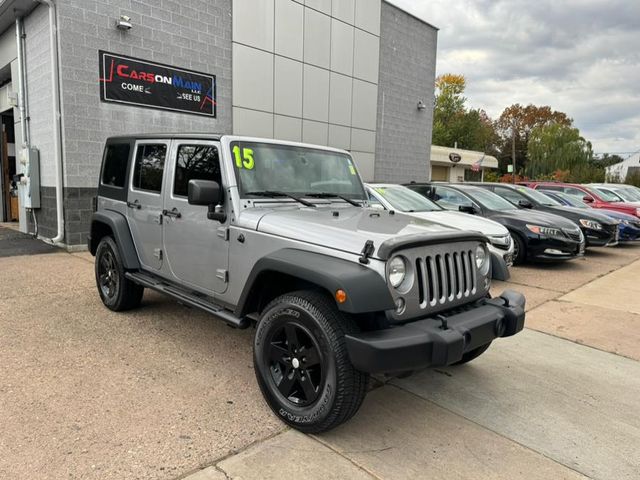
x,y
190,299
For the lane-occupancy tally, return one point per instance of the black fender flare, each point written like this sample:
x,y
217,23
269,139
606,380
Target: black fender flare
x,y
366,290
118,224
499,269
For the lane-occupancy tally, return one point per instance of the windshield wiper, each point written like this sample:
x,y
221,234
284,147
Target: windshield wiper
x,y
333,195
274,194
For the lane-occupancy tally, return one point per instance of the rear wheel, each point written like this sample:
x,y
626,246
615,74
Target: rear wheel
x,y
116,291
473,354
301,362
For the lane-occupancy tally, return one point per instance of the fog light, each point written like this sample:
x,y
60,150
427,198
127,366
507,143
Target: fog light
x,y
399,305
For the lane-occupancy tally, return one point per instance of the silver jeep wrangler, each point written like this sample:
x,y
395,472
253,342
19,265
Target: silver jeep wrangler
x,y
280,235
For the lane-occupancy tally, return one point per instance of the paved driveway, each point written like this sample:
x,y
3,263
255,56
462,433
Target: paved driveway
x,y
164,392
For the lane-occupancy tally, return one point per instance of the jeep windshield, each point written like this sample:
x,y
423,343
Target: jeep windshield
x,y
272,170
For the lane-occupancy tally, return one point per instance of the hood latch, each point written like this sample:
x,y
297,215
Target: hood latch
x,y
367,251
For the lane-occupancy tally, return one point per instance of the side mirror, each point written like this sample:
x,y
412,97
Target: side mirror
x,y
587,199
468,209
525,204
207,192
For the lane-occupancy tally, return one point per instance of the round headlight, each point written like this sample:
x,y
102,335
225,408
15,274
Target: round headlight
x,y
397,271
481,256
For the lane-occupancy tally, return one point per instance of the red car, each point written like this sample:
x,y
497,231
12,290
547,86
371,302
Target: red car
x,y
588,195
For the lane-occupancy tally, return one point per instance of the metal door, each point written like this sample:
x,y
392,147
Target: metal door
x,y
197,249
144,201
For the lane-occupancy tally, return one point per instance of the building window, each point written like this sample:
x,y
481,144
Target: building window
x,y
116,158
195,162
149,167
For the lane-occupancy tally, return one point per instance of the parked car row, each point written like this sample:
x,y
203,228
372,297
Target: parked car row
x,y
522,223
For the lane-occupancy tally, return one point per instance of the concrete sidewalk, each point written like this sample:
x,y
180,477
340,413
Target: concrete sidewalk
x,y
551,403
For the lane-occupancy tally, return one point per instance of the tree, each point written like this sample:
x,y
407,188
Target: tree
x,y
521,121
558,150
453,123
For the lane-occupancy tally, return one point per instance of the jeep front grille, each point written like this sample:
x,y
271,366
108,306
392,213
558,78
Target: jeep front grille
x,y
443,278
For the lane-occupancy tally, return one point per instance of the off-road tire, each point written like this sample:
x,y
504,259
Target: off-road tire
x,y
317,321
520,247
473,354
122,294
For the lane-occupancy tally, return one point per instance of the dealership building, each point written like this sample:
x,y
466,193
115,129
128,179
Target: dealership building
x,y
353,74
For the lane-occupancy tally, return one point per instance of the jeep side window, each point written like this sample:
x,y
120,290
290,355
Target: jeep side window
x,y
147,174
195,162
114,171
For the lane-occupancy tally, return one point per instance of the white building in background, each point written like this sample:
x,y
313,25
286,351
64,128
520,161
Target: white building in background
x,y
458,165
620,170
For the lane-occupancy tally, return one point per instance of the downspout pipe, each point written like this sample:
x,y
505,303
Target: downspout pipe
x,y
22,84
57,119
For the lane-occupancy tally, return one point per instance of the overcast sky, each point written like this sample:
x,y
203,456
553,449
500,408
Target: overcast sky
x,y
581,57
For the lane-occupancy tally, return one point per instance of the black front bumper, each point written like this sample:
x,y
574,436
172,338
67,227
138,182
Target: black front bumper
x,y
427,343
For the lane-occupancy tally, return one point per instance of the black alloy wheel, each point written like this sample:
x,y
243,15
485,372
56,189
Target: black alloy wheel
x,y
108,278
116,291
301,362
295,363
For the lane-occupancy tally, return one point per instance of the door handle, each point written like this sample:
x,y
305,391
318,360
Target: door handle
x,y
135,204
172,213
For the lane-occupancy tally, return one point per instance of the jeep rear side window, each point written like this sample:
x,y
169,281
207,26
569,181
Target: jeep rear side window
x,y
149,167
195,162
116,157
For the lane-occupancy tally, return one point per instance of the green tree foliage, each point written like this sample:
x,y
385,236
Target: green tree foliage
x,y
453,123
522,120
556,148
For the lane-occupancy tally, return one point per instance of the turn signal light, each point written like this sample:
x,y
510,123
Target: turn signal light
x,y
341,296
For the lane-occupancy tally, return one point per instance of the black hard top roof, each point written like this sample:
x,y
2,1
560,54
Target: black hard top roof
x,y
160,135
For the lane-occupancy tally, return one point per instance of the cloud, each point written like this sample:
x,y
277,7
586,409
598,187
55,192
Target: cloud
x,y
577,56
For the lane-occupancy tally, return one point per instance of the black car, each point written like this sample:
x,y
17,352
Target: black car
x,y
598,229
537,236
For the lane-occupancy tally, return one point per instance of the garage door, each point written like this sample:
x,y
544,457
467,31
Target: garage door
x,y
439,174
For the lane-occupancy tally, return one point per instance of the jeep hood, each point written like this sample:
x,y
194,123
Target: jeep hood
x,y
344,228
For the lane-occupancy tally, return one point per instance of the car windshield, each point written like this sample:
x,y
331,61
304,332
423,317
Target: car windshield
x,y
607,195
568,199
541,198
404,199
267,168
490,200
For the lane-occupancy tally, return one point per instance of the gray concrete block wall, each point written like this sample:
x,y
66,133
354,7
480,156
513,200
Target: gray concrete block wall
x,y
39,90
192,34
407,75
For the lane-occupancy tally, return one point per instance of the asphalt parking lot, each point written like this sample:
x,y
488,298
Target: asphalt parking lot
x,y
165,392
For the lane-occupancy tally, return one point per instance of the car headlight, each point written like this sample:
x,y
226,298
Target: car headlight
x,y
590,224
546,231
397,271
482,258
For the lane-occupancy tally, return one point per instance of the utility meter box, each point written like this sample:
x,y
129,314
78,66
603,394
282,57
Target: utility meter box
x,y
29,183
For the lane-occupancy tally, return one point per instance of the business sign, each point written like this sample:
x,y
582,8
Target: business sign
x,y
455,157
148,84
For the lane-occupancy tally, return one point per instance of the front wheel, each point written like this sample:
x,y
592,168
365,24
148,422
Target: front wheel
x,y
519,249
301,362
